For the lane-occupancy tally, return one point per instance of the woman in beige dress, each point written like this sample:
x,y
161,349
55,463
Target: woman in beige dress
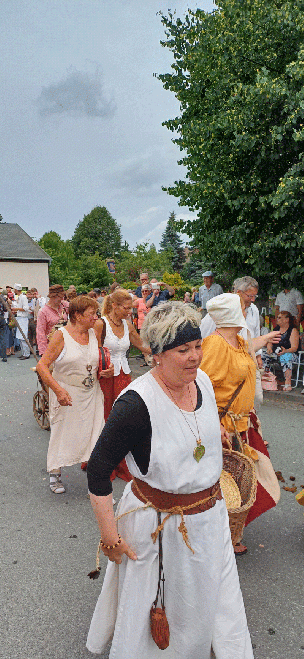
x,y
75,397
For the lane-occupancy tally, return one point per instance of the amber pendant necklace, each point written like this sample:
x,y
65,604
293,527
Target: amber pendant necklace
x,y
199,450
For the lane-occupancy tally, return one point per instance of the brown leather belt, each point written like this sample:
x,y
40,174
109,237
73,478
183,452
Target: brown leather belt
x,y
165,501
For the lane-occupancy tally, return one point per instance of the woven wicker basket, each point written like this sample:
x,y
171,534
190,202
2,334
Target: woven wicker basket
x,y
242,471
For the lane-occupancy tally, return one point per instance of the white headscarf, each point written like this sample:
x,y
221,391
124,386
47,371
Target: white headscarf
x,y
226,310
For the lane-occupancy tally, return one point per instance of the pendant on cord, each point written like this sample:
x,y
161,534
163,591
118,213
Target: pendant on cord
x,y
199,451
89,381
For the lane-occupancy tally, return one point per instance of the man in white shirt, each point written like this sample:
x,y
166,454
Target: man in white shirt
x,y
209,290
290,299
20,306
247,288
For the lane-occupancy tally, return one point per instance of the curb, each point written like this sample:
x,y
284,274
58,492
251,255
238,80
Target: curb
x,y
293,396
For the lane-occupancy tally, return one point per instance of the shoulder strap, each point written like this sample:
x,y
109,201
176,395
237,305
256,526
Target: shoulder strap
x,y
104,331
223,411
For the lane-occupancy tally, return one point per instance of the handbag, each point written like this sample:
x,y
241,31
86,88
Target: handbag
x,y
104,354
104,360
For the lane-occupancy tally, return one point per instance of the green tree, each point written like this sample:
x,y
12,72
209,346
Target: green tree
x,y
239,77
143,258
85,272
93,272
172,243
64,268
97,232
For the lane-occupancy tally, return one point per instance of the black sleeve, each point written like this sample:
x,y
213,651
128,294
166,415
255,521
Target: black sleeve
x,y
128,429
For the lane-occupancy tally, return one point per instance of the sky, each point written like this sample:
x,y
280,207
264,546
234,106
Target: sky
x,y
82,115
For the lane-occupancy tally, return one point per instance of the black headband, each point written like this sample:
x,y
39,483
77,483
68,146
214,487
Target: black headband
x,y
186,334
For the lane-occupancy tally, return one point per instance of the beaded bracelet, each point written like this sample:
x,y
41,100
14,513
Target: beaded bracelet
x,y
102,544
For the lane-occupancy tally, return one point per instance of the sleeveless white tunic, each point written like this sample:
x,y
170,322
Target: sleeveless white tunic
x,y
76,428
118,347
203,600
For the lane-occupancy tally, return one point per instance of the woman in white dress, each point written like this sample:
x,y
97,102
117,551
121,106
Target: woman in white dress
x,y
75,397
166,424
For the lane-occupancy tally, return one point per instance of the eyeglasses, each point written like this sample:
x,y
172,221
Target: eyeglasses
x,y
250,297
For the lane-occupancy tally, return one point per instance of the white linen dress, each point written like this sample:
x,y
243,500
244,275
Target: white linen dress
x,y
203,600
76,428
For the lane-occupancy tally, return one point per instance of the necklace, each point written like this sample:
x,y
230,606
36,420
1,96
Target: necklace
x,y
113,321
199,450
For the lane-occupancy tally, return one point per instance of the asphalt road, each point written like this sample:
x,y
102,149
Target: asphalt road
x,y
48,542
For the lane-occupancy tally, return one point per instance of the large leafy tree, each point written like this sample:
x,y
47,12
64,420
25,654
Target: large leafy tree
x,y
172,243
239,76
64,268
97,232
143,257
84,272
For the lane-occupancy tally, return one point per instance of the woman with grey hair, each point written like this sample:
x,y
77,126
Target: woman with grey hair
x,y
172,522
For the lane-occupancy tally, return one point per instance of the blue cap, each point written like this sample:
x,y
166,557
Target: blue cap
x,y
208,273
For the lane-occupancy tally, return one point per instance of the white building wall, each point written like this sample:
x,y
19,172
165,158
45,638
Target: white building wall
x,y
26,274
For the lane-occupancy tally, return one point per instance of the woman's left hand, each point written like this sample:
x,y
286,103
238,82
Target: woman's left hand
x,y
107,373
225,437
282,351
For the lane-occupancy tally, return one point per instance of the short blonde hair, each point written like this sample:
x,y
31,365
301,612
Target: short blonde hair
x,y
164,321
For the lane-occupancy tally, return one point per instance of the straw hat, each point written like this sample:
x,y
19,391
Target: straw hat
x,y
230,491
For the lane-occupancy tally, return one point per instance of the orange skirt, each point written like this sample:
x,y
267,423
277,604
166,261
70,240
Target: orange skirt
x,y
111,388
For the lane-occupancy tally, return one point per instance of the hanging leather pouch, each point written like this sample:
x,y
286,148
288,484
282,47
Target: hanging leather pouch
x,y
158,619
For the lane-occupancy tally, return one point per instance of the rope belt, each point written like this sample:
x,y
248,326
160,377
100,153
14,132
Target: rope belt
x,y
246,449
176,504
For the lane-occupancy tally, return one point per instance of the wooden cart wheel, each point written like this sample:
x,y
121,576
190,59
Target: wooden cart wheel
x,y
41,409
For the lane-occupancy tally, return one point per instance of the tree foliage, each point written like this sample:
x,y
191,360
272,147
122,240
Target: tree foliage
x,y
85,272
144,258
97,232
238,74
172,243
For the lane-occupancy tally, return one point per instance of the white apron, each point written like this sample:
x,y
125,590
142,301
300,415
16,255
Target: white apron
x,y
75,429
23,322
203,600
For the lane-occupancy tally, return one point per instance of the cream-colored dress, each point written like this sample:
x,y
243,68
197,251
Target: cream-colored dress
x,y
203,599
75,429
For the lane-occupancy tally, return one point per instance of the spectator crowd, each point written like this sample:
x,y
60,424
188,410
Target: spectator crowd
x,y
37,315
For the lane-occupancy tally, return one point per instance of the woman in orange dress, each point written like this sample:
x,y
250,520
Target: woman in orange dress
x,y
227,361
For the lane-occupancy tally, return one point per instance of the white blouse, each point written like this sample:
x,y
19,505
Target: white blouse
x,y
118,347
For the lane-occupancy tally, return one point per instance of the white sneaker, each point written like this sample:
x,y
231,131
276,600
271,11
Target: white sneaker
x,y
56,485
302,392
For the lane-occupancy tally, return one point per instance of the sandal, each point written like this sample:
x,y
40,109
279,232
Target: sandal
x,y
56,485
240,549
287,387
